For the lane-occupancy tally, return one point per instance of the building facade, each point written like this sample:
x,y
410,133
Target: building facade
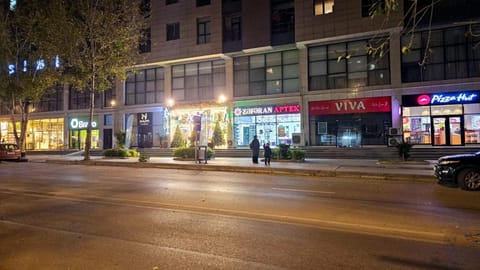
x,y
323,71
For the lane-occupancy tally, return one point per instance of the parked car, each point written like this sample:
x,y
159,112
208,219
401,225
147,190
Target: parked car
x,y
463,170
10,151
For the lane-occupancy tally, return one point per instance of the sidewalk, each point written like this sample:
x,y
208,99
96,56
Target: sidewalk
x,y
363,169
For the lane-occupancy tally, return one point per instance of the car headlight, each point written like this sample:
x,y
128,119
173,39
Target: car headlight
x,y
447,162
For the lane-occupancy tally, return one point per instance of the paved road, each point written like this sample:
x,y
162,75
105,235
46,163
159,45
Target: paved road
x,y
98,217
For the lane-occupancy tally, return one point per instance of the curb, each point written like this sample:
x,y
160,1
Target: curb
x,y
260,170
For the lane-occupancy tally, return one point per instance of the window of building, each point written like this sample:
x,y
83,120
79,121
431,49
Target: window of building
x,y
146,41
266,74
198,81
283,16
78,100
52,100
345,65
173,31
232,28
321,7
108,120
203,3
168,2
451,54
203,30
145,86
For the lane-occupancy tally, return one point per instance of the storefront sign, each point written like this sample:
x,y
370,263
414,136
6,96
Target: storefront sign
x,y
441,98
144,119
81,122
346,106
268,109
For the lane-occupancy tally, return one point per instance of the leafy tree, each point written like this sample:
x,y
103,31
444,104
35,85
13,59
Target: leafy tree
x,y
121,136
30,35
177,140
218,135
104,42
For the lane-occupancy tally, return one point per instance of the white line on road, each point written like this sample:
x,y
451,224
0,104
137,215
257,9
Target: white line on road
x,y
305,190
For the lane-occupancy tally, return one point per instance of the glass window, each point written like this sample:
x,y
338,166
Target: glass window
x,y
448,55
266,73
346,60
322,7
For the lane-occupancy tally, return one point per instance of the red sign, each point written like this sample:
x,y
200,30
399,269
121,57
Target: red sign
x,y
346,106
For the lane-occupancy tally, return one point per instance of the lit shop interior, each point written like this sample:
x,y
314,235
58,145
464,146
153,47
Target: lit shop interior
x,y
275,128
457,124
42,134
185,120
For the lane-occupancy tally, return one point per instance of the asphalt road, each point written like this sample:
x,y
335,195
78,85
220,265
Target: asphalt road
x,y
96,217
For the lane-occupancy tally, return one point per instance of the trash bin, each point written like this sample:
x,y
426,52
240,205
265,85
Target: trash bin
x,y
201,154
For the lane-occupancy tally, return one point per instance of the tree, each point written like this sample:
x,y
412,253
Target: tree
x,y
177,140
422,14
218,135
104,42
29,35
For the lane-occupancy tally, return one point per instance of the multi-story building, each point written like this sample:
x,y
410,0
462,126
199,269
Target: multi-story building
x,y
286,70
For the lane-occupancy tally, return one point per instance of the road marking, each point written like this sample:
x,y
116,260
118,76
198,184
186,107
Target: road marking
x,y
305,190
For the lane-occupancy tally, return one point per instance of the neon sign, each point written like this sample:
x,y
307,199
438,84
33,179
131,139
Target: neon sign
x,y
442,98
260,110
453,98
81,123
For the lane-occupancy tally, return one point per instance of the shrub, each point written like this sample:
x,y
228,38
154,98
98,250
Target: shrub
x,y
404,150
143,157
189,152
284,151
297,154
117,152
133,153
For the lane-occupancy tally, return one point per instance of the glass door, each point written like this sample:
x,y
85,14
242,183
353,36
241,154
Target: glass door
x,y
447,130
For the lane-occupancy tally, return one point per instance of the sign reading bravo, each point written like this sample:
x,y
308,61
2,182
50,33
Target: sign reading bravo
x,y
346,106
81,122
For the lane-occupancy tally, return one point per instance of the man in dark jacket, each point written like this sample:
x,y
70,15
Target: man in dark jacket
x,y
255,146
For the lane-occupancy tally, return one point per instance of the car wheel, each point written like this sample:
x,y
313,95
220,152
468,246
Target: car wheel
x,y
469,179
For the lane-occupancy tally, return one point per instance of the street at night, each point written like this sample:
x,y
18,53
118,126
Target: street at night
x,y
103,217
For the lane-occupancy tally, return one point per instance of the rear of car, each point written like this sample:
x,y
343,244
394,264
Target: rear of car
x,y
462,170
10,151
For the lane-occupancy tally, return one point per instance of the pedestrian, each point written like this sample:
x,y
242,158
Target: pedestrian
x,y
255,147
267,153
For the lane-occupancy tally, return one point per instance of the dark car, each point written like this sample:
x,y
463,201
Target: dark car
x,y
10,151
463,170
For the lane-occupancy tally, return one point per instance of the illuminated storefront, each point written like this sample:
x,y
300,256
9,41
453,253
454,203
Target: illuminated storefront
x,y
273,124
148,129
42,134
199,123
350,122
451,118
77,130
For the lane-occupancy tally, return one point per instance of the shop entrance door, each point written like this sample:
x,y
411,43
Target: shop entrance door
x,y
447,130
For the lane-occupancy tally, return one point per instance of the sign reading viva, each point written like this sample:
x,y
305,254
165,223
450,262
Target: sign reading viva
x,y
345,106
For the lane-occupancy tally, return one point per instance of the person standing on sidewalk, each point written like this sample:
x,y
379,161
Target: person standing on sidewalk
x,y
267,153
255,147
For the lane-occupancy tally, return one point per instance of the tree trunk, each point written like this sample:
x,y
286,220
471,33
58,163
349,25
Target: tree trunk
x,y
88,140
